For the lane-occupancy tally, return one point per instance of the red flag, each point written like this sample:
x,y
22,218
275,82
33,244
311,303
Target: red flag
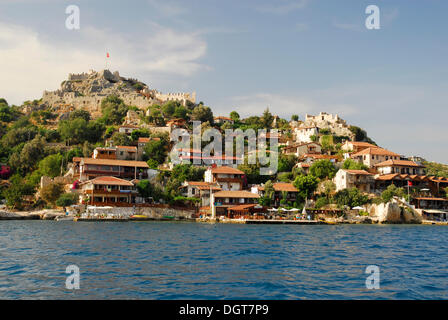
x,y
409,183
108,55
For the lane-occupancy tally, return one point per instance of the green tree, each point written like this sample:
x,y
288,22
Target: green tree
x,y
113,110
29,156
121,139
156,149
392,191
235,116
203,114
353,165
51,192
51,165
350,197
83,114
295,117
306,184
73,131
145,188
323,169
15,192
286,162
266,119
67,199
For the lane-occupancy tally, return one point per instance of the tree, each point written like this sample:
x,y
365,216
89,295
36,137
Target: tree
x,y
153,164
113,110
266,119
29,156
306,184
145,188
73,131
51,192
67,199
286,162
350,197
390,192
329,187
294,117
51,165
15,192
140,133
83,114
15,136
156,149
323,169
235,116
121,139
203,114
353,165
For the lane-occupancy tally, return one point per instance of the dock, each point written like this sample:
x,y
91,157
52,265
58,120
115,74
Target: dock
x,y
272,221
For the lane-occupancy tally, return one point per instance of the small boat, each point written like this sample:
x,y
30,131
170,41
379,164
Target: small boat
x,y
139,217
63,218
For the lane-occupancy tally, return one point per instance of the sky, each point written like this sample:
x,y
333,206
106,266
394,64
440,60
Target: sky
x,y
293,56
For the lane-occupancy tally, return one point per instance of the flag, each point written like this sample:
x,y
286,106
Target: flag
x,y
409,183
108,55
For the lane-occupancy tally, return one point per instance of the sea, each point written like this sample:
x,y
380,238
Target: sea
x,y
184,260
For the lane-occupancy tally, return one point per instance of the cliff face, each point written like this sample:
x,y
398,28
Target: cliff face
x,y
391,212
87,90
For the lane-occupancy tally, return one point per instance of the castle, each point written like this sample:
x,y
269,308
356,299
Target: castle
x,y
313,124
87,90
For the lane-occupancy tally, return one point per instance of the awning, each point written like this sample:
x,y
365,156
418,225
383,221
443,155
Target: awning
x,y
434,211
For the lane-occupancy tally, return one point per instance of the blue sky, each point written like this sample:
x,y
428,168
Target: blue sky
x,y
293,56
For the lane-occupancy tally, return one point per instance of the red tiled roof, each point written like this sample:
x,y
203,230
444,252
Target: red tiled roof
x,y
130,148
226,170
110,181
235,194
242,207
113,162
363,172
223,118
406,163
376,151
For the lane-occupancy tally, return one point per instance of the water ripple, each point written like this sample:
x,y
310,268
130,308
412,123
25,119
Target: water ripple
x,y
159,260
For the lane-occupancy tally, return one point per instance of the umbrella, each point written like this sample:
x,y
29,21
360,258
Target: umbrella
x,y
273,209
294,209
358,208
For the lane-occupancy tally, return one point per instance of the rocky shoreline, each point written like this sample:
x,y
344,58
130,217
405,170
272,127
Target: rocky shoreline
x,y
46,214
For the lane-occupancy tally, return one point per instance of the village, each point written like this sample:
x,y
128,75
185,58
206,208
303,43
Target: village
x,y
328,171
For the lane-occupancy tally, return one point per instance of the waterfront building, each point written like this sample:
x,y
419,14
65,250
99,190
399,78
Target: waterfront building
x,y
399,166
226,177
199,189
224,200
361,179
108,191
280,189
373,155
89,168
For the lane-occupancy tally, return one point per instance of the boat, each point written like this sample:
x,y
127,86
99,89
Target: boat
x,y
139,217
64,218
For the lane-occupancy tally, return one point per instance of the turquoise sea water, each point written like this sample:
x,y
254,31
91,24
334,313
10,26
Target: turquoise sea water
x,y
169,260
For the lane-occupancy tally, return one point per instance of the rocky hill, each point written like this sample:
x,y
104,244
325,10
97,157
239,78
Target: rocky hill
x,y
87,90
